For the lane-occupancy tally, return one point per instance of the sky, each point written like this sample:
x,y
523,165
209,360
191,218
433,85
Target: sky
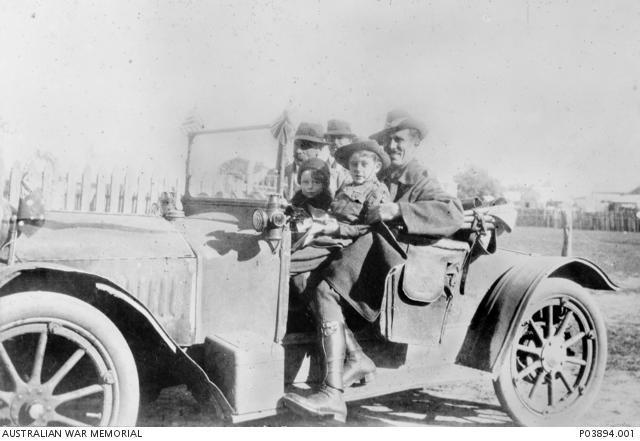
x,y
534,92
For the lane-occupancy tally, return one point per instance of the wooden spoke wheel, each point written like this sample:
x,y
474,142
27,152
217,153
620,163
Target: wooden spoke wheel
x,y
63,363
556,362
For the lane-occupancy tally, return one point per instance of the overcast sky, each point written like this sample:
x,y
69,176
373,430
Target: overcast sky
x,y
532,92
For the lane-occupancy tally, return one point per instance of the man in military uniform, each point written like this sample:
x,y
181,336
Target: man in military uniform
x,y
418,206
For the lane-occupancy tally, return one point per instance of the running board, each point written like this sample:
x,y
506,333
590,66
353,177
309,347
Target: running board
x,y
390,381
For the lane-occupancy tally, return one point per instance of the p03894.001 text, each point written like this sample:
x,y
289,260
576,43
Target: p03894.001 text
x,y
603,433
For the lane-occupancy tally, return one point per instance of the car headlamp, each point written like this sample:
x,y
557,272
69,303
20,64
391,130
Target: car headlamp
x,y
271,219
278,219
259,220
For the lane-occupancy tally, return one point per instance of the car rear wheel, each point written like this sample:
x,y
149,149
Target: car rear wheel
x,y
63,363
556,363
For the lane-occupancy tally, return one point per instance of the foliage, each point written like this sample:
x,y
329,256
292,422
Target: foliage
x,y
475,181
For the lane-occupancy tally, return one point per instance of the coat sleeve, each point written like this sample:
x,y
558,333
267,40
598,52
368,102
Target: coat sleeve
x,y
379,195
430,210
346,231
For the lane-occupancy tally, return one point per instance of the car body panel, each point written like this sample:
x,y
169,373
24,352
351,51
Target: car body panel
x,y
145,255
239,276
101,236
143,332
497,316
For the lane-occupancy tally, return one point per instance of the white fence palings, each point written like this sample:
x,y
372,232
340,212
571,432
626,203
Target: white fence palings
x,y
117,191
120,190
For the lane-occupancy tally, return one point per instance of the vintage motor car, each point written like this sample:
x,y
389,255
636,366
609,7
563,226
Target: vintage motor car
x,y
99,312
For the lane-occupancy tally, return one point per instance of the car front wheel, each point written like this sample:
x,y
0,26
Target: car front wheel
x,y
63,363
556,363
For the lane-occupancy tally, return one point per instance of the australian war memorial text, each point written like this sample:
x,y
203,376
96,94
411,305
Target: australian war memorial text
x,y
70,433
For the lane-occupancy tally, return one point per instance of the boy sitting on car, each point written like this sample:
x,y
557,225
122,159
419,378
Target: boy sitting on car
x,y
364,159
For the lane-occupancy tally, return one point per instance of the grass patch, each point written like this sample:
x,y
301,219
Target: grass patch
x,y
616,253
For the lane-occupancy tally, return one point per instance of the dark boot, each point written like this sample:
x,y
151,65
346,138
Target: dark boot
x,y
327,401
358,367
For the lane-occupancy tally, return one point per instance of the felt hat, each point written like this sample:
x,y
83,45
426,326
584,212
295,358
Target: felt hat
x,y
338,127
397,120
318,165
310,132
344,153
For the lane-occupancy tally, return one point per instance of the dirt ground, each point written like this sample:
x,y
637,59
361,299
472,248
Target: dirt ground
x,y
468,405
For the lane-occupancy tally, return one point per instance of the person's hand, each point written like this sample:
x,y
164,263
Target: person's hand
x,y
330,227
383,213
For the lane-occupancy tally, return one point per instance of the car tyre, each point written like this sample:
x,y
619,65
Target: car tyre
x,y
554,368
63,362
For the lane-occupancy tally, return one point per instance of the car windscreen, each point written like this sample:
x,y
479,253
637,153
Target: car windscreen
x,y
233,165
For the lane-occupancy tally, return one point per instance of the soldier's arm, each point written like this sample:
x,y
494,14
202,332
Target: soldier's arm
x,y
433,212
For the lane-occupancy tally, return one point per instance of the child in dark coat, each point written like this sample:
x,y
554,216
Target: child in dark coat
x,y
313,178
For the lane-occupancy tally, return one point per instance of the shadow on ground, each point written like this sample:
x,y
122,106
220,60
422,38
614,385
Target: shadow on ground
x,y
176,407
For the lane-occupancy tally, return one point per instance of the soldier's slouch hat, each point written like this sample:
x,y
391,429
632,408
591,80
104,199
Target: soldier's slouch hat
x,y
400,120
338,127
310,132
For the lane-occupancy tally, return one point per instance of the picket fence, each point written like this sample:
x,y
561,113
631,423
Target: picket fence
x,y
118,191
601,221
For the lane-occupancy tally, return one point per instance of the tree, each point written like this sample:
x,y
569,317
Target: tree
x,y
475,181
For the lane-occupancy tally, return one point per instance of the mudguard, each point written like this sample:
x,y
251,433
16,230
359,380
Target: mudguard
x,y
151,344
495,322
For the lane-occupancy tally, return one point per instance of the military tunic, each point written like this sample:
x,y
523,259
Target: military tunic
x,y
425,207
352,203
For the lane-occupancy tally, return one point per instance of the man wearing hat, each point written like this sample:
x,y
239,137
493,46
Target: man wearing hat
x,y
309,143
420,204
338,135
355,277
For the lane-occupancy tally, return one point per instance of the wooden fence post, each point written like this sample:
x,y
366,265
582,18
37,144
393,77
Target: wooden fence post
x,y
566,220
144,184
127,204
154,191
117,186
15,181
71,190
101,190
86,195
